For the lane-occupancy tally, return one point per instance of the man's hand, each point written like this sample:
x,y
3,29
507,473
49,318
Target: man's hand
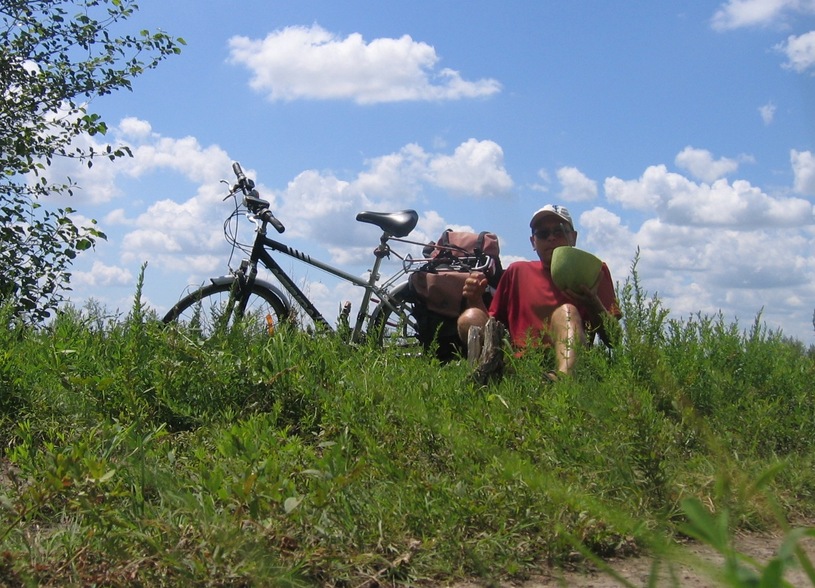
x,y
608,327
474,287
588,298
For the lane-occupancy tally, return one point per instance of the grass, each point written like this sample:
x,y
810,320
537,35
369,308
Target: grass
x,y
139,455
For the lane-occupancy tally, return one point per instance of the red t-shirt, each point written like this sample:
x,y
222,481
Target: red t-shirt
x,y
526,297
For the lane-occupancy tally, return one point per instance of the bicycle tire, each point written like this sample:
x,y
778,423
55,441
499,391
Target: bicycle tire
x,y
205,310
389,328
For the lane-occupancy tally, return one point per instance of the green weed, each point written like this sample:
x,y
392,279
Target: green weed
x,y
136,453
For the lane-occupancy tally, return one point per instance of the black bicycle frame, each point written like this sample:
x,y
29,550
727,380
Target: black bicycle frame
x,y
260,253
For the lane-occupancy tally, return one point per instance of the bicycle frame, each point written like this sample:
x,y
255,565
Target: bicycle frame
x,y
260,253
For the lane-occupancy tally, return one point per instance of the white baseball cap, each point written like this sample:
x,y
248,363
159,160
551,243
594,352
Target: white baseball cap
x,y
555,210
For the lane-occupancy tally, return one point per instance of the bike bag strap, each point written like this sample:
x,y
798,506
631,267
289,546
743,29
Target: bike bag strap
x,y
395,224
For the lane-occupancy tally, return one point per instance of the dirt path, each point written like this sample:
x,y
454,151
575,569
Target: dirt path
x,y
637,570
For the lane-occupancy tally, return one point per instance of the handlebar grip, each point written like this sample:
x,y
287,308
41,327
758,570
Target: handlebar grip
x,y
236,167
272,220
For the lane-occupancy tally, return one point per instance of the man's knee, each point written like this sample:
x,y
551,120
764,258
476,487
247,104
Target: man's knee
x,y
471,317
565,314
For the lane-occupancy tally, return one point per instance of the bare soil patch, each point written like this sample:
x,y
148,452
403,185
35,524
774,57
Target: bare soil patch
x,y
687,574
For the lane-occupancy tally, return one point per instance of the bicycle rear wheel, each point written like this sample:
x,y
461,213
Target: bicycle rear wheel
x,y
394,326
216,308
411,326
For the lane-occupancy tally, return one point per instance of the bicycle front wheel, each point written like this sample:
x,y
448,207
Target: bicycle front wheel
x,y
220,307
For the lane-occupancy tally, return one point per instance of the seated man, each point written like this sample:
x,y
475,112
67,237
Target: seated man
x,y
533,309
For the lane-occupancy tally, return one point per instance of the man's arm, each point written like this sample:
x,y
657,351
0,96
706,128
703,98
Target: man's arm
x,y
606,320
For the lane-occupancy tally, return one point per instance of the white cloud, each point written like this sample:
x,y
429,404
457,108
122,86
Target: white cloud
x,y
601,230
103,276
309,62
700,163
476,168
185,155
680,201
94,185
397,176
319,206
313,202
117,217
800,52
767,112
184,236
803,167
133,127
703,269
100,183
577,187
736,14
645,193
711,246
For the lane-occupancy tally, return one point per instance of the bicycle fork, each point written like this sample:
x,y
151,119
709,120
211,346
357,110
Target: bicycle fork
x,y
239,296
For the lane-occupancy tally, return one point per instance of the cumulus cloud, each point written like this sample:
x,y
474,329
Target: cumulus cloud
x,y
577,187
133,128
181,237
476,168
395,176
679,201
602,230
800,52
803,167
736,14
103,276
312,63
100,183
182,229
313,202
698,268
700,163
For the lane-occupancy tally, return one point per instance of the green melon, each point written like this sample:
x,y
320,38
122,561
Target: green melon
x,y
573,267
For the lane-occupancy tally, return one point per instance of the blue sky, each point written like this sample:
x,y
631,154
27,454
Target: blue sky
x,y
683,129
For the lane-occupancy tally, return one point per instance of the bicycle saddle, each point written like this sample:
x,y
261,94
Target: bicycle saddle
x,y
396,224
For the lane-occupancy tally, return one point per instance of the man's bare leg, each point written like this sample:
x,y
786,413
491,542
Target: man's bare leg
x,y
568,334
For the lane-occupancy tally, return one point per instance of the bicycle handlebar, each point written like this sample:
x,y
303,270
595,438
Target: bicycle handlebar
x,y
252,199
267,216
236,167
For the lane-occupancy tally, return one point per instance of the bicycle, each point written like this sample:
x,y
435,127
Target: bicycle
x,y
241,296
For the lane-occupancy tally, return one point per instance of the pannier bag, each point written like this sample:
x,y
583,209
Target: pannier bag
x,y
439,282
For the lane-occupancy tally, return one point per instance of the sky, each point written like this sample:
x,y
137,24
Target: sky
x,y
679,134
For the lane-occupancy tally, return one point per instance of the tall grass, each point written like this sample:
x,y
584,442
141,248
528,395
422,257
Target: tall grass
x,y
139,454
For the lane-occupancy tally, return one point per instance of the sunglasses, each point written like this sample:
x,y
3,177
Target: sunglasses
x,y
559,231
